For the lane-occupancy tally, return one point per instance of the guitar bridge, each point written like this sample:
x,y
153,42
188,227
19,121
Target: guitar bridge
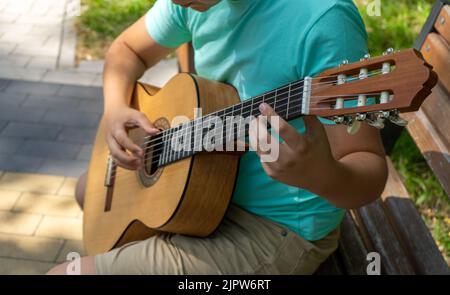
x,y
110,172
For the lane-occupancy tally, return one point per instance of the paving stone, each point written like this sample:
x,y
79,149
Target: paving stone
x,y
24,39
14,60
4,83
31,131
68,77
49,149
19,223
77,135
24,49
32,87
51,101
8,199
85,153
13,72
68,46
7,48
16,28
30,247
68,187
3,125
60,227
72,118
71,246
46,30
10,145
95,66
49,205
81,92
8,98
42,62
22,114
12,266
26,182
72,168
91,105
20,163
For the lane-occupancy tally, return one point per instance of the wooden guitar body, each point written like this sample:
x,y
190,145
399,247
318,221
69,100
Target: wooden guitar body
x,y
187,197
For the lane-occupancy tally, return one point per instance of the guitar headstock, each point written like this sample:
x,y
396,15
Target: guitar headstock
x,y
392,83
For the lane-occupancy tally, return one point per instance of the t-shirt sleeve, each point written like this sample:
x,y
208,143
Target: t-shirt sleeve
x,y
337,35
166,23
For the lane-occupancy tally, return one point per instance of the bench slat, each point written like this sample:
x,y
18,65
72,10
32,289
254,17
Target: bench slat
x,y
434,149
442,23
436,52
416,237
410,228
393,258
352,251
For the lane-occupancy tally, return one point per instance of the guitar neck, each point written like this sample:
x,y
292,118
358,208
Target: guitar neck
x,y
229,124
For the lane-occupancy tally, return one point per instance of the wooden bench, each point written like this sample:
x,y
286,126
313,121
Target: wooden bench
x,y
392,226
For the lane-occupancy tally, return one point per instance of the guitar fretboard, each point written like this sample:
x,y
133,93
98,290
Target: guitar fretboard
x,y
218,129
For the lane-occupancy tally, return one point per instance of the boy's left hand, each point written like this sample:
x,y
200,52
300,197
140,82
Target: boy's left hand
x,y
304,159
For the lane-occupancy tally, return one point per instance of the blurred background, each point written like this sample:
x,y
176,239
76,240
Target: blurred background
x,y
53,41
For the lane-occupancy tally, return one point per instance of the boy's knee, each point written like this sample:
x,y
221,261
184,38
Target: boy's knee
x,y
80,189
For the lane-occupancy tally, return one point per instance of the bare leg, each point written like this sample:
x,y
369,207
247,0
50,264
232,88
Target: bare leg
x,y
80,189
87,267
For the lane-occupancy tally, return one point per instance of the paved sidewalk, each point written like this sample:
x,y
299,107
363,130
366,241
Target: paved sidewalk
x,y
38,43
36,36
40,223
49,111
47,128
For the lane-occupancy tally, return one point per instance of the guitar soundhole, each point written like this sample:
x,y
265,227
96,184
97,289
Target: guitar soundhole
x,y
150,174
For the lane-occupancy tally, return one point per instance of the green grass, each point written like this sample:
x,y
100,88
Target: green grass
x,y
103,20
397,27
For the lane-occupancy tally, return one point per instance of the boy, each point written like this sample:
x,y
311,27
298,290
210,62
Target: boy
x,y
285,214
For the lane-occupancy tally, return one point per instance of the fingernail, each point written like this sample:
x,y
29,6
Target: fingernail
x,y
263,107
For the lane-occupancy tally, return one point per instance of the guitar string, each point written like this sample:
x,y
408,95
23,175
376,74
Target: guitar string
x,y
201,136
348,79
222,138
285,101
252,101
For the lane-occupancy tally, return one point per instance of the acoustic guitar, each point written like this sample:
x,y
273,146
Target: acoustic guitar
x,y
187,190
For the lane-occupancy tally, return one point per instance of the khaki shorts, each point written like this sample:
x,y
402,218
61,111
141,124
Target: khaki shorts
x,y
243,244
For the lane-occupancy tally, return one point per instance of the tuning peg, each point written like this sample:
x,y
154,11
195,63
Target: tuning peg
x,y
338,119
390,50
397,120
361,117
366,57
344,62
353,127
375,121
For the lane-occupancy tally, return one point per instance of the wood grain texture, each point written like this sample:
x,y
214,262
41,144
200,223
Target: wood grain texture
x,y
436,52
394,259
410,83
432,136
442,23
352,251
190,196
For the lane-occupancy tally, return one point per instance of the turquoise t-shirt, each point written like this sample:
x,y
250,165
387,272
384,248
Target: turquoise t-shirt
x,y
259,45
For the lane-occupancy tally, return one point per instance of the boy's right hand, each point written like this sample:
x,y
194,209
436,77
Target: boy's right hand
x,y
125,152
